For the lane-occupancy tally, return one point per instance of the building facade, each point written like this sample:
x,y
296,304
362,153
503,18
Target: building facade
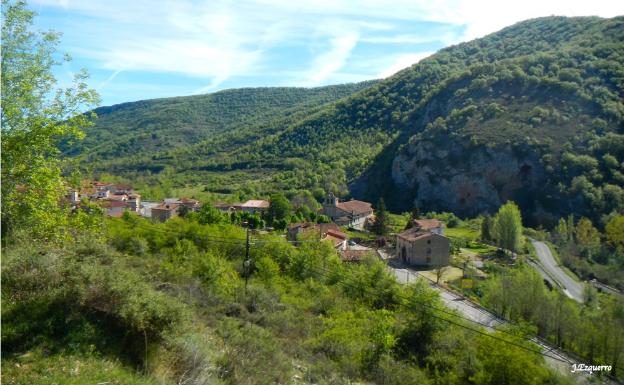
x,y
164,211
351,213
423,248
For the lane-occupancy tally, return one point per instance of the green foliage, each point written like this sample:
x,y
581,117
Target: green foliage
x,y
487,229
588,253
615,232
521,296
587,236
548,90
508,227
209,215
36,117
279,208
380,226
509,365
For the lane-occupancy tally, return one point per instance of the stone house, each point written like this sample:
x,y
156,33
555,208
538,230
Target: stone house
x,y
251,206
351,213
113,208
164,211
423,248
432,225
255,206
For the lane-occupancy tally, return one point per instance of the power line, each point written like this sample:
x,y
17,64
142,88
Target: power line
x,y
322,272
247,258
410,301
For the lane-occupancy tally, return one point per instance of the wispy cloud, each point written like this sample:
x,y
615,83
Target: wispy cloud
x,y
332,59
401,62
219,43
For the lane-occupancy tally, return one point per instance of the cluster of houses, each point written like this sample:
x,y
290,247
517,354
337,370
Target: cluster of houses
x,y
423,244
115,199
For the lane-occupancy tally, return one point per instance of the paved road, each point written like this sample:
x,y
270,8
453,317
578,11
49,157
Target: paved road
x,y
481,315
571,288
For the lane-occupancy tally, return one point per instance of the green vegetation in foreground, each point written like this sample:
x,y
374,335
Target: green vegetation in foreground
x,y
137,302
517,292
178,290
35,368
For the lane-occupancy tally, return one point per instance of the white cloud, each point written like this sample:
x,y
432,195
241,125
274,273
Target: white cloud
x,y
401,62
218,39
332,60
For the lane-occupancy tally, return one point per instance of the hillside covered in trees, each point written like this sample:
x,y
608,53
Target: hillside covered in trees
x,y
148,127
200,299
532,113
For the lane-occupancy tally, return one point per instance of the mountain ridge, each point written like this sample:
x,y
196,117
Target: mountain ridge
x,y
549,86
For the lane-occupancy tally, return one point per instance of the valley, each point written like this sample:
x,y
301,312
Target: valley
x,y
458,222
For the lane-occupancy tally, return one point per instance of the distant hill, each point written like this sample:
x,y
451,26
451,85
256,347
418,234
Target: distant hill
x,y
532,113
149,126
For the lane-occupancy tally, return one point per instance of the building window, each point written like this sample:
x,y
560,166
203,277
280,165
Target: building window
x,y
428,259
428,241
428,250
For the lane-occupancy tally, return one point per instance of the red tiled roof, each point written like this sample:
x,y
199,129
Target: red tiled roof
x,y
337,241
325,228
427,224
337,234
355,206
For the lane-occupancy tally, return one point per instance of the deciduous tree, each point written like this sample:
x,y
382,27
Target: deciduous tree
x,y
36,117
508,227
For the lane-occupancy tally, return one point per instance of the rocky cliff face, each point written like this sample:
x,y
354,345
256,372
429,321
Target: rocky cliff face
x,y
467,179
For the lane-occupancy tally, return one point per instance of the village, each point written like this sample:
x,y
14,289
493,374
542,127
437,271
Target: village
x,y
422,245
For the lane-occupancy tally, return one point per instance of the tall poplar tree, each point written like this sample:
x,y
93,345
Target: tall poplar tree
x,y
508,227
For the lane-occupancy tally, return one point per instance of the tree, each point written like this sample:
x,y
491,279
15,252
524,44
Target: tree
x,y
562,232
380,227
36,118
183,211
587,236
414,215
279,208
508,227
615,232
487,225
439,272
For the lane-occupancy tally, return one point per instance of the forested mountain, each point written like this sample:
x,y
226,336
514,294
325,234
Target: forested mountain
x,y
532,113
217,298
149,126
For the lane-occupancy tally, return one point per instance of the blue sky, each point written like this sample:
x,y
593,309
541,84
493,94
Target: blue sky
x,y
139,49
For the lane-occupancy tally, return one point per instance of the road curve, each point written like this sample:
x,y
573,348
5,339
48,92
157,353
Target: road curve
x,y
571,288
555,359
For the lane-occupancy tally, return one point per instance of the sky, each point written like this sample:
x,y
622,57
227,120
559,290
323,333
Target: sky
x,y
141,49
